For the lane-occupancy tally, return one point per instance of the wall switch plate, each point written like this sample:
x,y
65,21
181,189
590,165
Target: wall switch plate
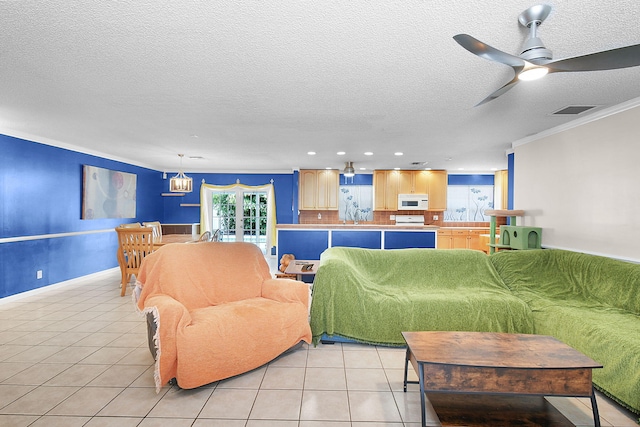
x,y
435,217
319,215
39,274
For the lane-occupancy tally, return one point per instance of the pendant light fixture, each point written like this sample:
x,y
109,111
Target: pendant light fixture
x,y
181,183
349,171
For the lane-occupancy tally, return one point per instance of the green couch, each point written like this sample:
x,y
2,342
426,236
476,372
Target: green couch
x,y
591,303
371,296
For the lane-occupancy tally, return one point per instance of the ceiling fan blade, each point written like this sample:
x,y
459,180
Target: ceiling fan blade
x,y
485,51
622,57
500,91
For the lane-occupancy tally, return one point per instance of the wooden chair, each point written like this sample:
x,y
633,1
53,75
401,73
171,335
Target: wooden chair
x,y
134,243
157,229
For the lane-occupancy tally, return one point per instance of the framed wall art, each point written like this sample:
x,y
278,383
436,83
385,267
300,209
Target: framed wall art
x,y
107,193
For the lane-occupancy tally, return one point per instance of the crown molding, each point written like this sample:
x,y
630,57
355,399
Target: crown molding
x,y
596,115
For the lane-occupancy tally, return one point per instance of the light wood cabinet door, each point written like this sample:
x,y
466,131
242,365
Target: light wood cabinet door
x,y
318,189
379,187
421,181
308,189
474,239
406,182
444,240
460,239
413,182
391,191
438,190
328,189
385,190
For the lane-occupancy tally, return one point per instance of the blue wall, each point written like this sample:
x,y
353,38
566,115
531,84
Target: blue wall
x,y
284,189
41,194
470,179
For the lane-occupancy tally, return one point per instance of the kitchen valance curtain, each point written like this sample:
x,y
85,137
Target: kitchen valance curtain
x,y
206,206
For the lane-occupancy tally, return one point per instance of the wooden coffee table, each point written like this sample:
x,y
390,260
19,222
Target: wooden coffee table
x,y
514,367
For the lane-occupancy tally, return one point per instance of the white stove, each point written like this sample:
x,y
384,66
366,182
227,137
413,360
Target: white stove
x,y
409,220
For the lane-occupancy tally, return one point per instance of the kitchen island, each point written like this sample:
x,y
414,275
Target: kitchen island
x,y
308,241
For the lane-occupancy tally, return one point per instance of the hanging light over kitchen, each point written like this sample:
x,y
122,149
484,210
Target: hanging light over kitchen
x,y
349,171
181,183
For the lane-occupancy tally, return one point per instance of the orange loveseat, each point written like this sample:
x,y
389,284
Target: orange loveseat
x,y
217,310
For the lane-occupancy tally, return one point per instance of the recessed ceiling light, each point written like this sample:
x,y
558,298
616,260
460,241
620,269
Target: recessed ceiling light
x,y
311,153
368,153
396,169
363,169
494,169
341,153
328,168
460,169
398,153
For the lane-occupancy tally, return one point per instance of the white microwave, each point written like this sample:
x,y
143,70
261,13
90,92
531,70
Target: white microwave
x,y
413,202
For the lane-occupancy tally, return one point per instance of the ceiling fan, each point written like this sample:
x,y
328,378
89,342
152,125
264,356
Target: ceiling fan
x,y
535,60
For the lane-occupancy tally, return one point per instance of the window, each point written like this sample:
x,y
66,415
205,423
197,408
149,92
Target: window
x,y
467,203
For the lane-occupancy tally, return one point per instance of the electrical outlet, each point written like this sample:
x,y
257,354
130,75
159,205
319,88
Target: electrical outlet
x,y
392,217
319,215
435,217
39,274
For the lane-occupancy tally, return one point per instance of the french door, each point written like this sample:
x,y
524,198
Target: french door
x,y
241,215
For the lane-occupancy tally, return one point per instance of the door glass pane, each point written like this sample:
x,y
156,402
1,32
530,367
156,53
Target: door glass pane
x,y
224,215
254,218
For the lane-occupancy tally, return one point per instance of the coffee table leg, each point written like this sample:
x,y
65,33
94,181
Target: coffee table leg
x,y
423,404
406,369
594,407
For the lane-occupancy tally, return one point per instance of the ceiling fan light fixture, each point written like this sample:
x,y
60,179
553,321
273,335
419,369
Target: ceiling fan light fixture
x,y
534,73
349,171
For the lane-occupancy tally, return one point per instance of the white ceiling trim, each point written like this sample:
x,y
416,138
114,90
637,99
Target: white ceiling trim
x,y
596,115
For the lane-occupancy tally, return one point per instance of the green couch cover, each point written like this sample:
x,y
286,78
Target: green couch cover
x,y
371,296
591,303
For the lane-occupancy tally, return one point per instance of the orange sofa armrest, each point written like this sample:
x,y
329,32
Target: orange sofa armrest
x,y
286,290
170,316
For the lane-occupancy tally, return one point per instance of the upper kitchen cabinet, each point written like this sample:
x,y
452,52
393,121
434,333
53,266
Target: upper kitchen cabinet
x,y
385,190
413,182
319,189
501,190
387,184
437,190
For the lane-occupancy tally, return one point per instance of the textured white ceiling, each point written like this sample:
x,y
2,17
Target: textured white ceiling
x,y
254,85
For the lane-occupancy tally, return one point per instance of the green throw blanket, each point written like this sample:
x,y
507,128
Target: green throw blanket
x,y
371,295
589,302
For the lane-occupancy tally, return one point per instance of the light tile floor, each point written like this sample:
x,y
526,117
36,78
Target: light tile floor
x,y
77,356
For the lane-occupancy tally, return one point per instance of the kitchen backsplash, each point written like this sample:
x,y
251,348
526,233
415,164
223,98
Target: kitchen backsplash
x,y
383,218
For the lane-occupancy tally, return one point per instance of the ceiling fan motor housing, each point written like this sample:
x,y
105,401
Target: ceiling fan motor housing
x,y
534,50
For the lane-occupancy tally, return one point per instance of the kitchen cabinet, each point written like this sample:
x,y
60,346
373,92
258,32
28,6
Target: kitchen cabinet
x,y
409,239
309,241
319,189
385,190
438,182
460,238
387,184
413,182
501,190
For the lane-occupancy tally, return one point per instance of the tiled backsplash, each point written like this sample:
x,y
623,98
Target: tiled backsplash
x,y
383,218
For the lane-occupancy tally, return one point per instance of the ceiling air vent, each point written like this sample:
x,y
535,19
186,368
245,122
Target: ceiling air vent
x,y
573,110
